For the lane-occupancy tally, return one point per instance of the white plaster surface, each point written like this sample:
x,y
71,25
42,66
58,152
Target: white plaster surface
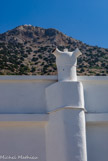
x,y
68,123
65,136
97,118
66,64
97,142
27,118
64,94
17,140
23,96
96,95
25,126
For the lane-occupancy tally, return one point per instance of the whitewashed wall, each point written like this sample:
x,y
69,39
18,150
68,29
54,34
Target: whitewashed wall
x,y
95,93
23,94
96,104
22,139
23,117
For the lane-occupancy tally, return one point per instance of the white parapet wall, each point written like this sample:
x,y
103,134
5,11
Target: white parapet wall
x,y
26,94
24,117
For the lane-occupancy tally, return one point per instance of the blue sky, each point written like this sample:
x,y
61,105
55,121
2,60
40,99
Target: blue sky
x,y
85,20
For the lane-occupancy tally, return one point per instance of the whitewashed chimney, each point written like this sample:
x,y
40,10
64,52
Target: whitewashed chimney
x,y
65,132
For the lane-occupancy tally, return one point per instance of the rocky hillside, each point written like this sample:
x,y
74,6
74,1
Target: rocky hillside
x,y
27,50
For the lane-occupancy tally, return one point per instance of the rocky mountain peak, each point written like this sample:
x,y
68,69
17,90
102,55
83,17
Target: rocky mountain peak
x,y
27,49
